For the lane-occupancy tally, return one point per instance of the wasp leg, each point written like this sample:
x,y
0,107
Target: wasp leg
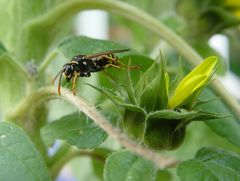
x,y
114,60
74,83
111,65
124,66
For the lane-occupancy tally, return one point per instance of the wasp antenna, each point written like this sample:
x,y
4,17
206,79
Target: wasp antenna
x,y
59,82
124,50
54,79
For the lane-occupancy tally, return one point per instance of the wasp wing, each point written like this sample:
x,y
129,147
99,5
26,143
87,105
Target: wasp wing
x,y
105,53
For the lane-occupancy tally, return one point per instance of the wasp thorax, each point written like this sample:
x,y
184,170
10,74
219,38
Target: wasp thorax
x,y
78,58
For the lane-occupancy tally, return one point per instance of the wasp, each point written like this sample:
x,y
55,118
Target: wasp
x,y
83,65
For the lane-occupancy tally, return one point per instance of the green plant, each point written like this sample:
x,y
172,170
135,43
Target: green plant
x,y
147,111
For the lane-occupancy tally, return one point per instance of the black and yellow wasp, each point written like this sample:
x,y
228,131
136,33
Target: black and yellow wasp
x,y
84,65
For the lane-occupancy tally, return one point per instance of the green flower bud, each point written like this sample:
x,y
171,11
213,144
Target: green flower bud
x,y
153,119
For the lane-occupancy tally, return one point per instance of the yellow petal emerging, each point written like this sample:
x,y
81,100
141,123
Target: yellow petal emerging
x,y
233,3
234,7
193,82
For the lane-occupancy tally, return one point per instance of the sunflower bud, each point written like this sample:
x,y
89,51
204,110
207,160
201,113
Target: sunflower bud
x,y
159,122
155,120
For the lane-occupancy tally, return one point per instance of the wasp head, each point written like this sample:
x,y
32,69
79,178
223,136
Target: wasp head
x,y
68,71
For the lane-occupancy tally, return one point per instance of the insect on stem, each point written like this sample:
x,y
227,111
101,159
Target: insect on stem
x,y
83,65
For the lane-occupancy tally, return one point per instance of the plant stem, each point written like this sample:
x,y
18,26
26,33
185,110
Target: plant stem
x,y
64,149
50,57
51,92
57,166
69,8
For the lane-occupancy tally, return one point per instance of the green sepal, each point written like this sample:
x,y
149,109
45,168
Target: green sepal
x,y
161,134
108,93
134,123
199,116
165,129
155,95
145,78
172,115
132,107
204,116
133,120
200,102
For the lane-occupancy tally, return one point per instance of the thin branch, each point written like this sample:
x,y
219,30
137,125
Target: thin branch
x,y
51,92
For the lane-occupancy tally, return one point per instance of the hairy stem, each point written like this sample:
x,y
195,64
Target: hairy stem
x,y
50,57
69,8
51,92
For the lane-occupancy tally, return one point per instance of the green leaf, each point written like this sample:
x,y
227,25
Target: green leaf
x,y
211,164
163,175
13,80
13,17
2,48
224,127
20,32
73,45
219,156
197,170
124,165
135,59
75,129
19,159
